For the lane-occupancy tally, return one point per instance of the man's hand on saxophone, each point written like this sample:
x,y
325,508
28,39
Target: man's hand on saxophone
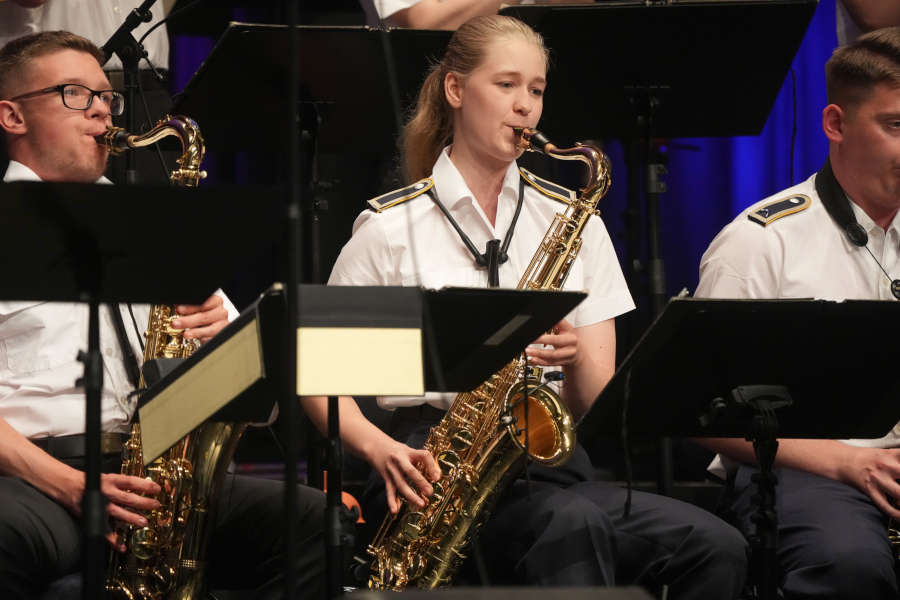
x,y
202,322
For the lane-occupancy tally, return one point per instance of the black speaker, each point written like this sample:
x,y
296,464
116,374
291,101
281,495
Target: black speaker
x,y
519,593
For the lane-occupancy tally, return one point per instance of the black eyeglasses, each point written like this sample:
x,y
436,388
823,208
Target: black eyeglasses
x,y
79,97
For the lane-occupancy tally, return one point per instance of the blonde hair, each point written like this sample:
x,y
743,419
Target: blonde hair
x,y
854,69
431,125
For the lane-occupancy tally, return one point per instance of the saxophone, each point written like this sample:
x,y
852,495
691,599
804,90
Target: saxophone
x,y
487,435
165,559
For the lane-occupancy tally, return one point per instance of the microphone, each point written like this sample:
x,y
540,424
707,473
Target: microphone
x,y
122,40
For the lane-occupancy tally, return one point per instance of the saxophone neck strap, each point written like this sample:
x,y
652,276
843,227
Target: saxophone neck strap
x,y
495,253
129,360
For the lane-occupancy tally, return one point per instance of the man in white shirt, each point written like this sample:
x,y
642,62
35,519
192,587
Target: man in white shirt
x,y
835,236
54,98
97,20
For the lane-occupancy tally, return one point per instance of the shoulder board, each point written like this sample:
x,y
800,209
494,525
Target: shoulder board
x,y
400,196
547,188
774,210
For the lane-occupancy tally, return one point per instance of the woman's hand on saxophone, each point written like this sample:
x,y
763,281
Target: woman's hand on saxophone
x,y
558,348
404,468
203,321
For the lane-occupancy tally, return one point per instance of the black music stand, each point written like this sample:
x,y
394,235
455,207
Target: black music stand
x,y
661,70
757,369
344,84
95,246
466,335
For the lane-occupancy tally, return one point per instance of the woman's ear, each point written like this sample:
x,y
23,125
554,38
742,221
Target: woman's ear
x,y
11,118
833,117
453,89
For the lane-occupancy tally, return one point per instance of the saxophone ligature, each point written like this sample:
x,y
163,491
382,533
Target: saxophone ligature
x,y
165,560
487,436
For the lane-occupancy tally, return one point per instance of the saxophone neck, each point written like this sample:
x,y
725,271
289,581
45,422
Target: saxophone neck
x,y
597,178
184,128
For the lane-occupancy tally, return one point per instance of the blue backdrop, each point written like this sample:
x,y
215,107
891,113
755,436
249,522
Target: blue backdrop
x,y
710,185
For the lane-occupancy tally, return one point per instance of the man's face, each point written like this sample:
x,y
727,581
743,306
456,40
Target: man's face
x,y
869,147
59,141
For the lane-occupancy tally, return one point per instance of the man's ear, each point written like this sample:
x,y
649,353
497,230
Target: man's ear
x,y
11,118
453,89
833,119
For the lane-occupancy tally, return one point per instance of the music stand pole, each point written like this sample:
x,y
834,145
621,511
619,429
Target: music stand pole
x,y
289,399
93,502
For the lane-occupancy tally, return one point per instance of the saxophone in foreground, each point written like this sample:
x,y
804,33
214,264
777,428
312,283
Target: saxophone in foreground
x,y
165,559
484,439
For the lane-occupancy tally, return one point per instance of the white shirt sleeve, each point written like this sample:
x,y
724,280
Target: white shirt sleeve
x,y
743,261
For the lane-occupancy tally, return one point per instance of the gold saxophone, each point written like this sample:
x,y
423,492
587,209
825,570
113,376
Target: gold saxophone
x,y
480,443
165,559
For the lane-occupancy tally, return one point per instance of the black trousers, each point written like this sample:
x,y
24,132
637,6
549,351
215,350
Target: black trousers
x,y
832,540
40,541
565,529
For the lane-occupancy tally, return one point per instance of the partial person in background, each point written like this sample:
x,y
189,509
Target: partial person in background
x,y
428,14
98,20
856,17
836,236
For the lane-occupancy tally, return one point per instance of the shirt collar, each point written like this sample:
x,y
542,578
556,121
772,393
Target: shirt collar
x,y
16,171
868,224
452,188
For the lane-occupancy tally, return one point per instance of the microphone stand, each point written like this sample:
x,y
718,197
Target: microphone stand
x,y
130,52
93,503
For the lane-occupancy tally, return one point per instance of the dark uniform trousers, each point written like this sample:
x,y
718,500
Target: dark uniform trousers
x,y
567,530
40,541
832,540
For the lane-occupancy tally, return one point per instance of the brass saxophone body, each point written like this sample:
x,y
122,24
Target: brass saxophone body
x,y
480,443
165,559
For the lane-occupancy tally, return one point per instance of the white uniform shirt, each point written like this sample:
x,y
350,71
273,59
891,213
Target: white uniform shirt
x,y
39,343
803,255
96,20
386,248
383,9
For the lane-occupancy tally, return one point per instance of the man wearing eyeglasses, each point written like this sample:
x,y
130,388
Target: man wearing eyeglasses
x,y
54,100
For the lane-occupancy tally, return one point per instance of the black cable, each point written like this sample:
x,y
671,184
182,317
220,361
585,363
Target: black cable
x,y
162,161
174,13
626,450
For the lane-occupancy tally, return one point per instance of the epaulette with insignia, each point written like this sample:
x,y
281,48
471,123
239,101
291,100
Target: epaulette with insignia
x,y
547,188
400,196
774,210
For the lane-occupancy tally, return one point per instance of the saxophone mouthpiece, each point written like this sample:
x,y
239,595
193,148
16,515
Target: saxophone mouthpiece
x,y
533,140
116,139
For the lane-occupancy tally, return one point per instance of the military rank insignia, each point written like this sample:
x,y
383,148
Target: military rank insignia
x,y
774,210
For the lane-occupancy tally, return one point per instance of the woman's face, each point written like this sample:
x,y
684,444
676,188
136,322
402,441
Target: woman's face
x,y
506,90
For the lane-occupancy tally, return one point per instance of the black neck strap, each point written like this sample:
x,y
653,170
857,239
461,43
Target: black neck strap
x,y
495,253
838,206
128,357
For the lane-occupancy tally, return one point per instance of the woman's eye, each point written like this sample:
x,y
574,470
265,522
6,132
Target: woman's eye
x,y
537,92
505,84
